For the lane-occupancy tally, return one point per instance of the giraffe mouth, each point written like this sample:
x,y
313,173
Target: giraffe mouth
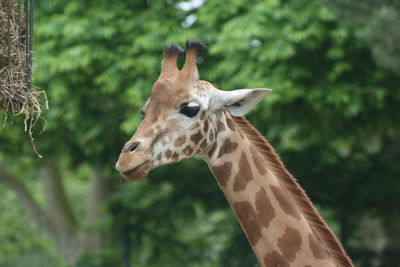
x,y
139,172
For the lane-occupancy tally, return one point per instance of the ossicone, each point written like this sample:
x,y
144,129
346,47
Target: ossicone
x,y
189,73
173,49
168,65
196,45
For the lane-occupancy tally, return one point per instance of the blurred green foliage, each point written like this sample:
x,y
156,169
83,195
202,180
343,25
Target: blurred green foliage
x,y
19,236
333,117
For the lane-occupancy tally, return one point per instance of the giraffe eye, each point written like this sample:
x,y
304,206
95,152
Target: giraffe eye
x,y
190,109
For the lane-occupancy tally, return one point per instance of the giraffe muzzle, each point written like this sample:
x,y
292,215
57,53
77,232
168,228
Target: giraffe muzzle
x,y
139,172
134,162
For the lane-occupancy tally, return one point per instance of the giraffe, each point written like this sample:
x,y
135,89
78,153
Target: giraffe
x,y
186,116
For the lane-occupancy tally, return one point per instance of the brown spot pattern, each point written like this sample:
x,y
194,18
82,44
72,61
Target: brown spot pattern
x,y
254,220
222,173
247,217
180,141
159,138
168,153
275,259
195,126
259,164
286,202
175,156
203,144
159,156
231,124
316,247
202,115
244,174
264,208
212,150
211,136
195,138
220,126
205,126
188,150
227,147
290,243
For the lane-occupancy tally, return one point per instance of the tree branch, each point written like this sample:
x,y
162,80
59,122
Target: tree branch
x,y
27,200
101,189
57,204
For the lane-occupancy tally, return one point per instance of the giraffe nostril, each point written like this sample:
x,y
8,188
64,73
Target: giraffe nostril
x,y
133,146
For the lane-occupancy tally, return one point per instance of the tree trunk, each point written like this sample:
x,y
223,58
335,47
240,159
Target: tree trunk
x,y
58,218
101,189
373,239
391,253
35,211
59,210
127,246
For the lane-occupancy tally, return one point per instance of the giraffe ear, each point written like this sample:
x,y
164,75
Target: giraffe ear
x,y
239,102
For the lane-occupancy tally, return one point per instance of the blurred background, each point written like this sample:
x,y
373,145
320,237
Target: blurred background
x,y
334,118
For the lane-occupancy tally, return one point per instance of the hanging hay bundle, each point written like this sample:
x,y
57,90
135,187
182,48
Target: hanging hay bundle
x,y
17,95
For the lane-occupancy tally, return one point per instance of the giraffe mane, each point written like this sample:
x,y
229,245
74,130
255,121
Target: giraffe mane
x,y
316,222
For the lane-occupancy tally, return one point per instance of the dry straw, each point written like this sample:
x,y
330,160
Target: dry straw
x,y
17,95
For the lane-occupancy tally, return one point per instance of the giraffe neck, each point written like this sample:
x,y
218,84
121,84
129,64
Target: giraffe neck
x,y
266,200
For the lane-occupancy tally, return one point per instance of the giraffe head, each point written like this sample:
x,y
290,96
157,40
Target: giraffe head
x,y
181,115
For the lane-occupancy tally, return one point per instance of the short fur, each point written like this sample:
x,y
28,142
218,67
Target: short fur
x,y
317,223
